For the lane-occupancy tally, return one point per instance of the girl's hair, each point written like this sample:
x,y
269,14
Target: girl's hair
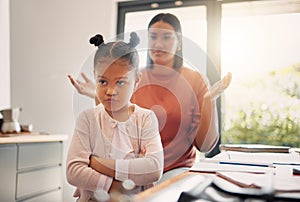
x,y
174,22
117,50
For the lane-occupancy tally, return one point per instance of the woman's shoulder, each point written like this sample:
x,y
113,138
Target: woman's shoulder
x,y
191,74
189,71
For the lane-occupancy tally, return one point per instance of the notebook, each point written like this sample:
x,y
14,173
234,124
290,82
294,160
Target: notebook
x,y
254,148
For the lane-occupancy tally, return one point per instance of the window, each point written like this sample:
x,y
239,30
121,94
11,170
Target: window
x,y
260,46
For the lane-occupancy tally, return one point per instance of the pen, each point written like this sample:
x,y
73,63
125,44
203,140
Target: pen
x,y
245,164
287,164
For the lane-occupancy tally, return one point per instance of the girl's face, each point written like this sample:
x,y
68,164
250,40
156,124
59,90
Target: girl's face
x,y
163,43
115,84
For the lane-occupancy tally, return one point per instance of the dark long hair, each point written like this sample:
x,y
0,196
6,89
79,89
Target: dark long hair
x,y
174,22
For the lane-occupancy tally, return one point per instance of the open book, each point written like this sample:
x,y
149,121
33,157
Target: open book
x,y
282,183
254,148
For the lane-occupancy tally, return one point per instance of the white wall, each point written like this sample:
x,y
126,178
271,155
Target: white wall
x,y
49,39
4,55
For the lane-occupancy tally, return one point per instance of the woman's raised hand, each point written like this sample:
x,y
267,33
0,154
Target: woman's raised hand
x,y
85,88
219,87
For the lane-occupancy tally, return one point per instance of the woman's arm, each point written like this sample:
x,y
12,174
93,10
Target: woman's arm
x,y
207,134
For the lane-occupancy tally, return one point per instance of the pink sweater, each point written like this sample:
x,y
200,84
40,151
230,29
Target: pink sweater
x,y
98,134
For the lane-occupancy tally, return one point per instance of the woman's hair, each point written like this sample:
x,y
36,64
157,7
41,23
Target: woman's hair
x,y
117,50
174,22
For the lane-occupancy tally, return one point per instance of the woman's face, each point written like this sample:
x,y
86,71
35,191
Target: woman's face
x,y
115,84
163,43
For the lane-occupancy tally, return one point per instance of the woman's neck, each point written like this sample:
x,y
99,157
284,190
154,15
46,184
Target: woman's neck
x,y
163,70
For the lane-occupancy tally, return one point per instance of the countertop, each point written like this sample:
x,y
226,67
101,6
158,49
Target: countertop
x,y
31,137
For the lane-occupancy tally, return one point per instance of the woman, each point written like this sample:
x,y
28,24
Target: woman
x,y
179,96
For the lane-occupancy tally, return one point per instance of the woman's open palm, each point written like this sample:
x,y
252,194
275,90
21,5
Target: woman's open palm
x,y
85,88
219,87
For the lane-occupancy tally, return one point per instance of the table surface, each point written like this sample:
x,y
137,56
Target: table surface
x,y
171,189
149,194
31,138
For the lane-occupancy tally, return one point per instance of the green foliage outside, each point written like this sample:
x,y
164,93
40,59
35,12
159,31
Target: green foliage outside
x,y
268,110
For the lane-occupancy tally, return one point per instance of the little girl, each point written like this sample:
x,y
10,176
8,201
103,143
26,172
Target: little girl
x,y
116,131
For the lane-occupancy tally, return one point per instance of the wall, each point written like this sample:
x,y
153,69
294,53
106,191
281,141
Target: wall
x,y
4,55
49,39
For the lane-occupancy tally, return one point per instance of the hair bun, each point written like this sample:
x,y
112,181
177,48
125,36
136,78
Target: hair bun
x,y
134,40
97,40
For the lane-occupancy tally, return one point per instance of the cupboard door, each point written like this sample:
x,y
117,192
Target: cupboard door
x,y
38,181
54,196
32,155
8,165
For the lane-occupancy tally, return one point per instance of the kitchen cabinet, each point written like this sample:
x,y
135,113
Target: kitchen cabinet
x,y
31,170
8,165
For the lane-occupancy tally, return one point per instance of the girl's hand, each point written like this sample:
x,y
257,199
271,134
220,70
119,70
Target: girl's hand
x,y
116,186
142,153
93,162
85,88
103,165
219,87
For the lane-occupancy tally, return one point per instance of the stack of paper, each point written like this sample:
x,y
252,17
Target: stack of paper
x,y
233,166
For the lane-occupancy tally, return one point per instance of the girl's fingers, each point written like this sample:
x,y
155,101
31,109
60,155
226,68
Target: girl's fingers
x,y
142,152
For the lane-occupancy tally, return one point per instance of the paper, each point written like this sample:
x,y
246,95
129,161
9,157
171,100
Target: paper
x,y
267,158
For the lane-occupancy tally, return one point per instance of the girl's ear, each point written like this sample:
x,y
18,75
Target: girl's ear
x,y
137,80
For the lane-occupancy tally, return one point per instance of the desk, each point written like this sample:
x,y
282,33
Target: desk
x,y
170,190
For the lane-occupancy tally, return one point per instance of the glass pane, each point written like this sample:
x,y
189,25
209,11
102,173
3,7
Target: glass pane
x,y
260,46
194,29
